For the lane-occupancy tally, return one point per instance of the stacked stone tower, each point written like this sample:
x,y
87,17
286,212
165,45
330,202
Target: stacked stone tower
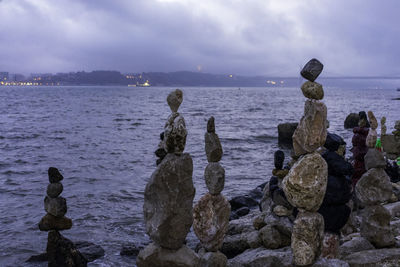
x,y
168,198
306,182
372,189
60,250
211,213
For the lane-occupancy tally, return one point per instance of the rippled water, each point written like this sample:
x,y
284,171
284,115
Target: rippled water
x,y
102,139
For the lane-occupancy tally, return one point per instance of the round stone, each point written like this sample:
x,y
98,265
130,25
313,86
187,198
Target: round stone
x,y
54,189
312,90
175,99
55,206
214,175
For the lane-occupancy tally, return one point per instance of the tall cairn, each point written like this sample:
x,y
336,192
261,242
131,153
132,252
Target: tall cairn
x,y
306,182
372,189
168,198
60,250
212,211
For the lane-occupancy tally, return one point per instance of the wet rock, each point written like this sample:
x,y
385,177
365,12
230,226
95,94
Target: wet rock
x,y
312,69
175,134
371,138
55,206
354,245
174,100
50,222
54,175
286,131
307,236
306,182
54,189
211,220
214,175
242,201
89,250
312,90
375,257
263,257
374,159
153,255
131,250
351,120
168,201
374,187
211,125
213,147
311,132
213,259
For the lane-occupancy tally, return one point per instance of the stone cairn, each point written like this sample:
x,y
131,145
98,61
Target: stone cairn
x,y
168,198
60,250
359,147
306,182
372,189
391,142
212,211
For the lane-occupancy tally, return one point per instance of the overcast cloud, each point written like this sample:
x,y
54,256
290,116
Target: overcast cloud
x,y
247,37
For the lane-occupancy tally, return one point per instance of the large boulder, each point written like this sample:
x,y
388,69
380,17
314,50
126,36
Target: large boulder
x,y
168,200
374,187
311,132
306,182
286,131
351,120
211,220
374,159
375,257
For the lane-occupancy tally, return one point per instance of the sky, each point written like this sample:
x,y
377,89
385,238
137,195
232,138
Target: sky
x,y
243,37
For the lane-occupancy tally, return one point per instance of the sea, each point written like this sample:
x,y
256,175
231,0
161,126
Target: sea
x,y
103,138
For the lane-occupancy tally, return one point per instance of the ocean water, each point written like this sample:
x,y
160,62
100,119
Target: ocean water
x,y
102,140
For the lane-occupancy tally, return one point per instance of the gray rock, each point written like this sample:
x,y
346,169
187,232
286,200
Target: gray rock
x,y
376,257
211,125
175,99
253,239
323,262
50,222
375,226
354,245
374,187
393,208
311,132
305,185
373,122
130,250
175,134
54,175
351,120
266,200
286,131
276,233
153,255
312,69
374,159
242,225
214,175
213,147
55,206
89,250
234,245
213,259
391,144
261,257
54,189
168,200
312,90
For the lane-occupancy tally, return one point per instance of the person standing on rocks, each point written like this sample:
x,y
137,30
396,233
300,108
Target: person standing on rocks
x,y
359,147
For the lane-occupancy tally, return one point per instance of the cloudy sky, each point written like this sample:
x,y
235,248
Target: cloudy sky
x,y
247,37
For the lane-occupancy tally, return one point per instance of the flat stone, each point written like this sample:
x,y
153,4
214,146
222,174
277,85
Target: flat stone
x,y
312,70
312,90
354,245
393,208
168,200
371,138
374,159
213,147
261,257
54,189
374,187
211,220
89,250
307,237
175,134
211,125
372,120
213,259
375,257
311,132
55,206
50,222
154,255
306,182
351,120
54,175
214,175
175,99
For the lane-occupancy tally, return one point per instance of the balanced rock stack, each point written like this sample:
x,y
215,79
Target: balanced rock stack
x,y
60,250
212,211
372,189
306,182
168,198
391,142
359,147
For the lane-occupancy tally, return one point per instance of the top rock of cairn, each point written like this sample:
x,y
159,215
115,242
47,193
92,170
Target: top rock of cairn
x,y
175,99
312,70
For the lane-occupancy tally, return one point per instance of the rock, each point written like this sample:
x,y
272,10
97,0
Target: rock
x,y
62,252
280,173
286,131
211,125
213,259
393,208
312,70
38,258
282,211
311,132
397,125
354,245
213,147
306,182
312,90
266,200
214,175
153,255
54,175
211,220
242,211
243,224
375,226
256,193
307,236
391,144
131,250
253,239
363,122
374,187
374,159
242,201
168,200
174,100
55,206
375,257
371,138
90,251
323,262
54,189
383,126
271,238
351,120
50,222
175,134
330,246
372,120
261,257
279,157
234,245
